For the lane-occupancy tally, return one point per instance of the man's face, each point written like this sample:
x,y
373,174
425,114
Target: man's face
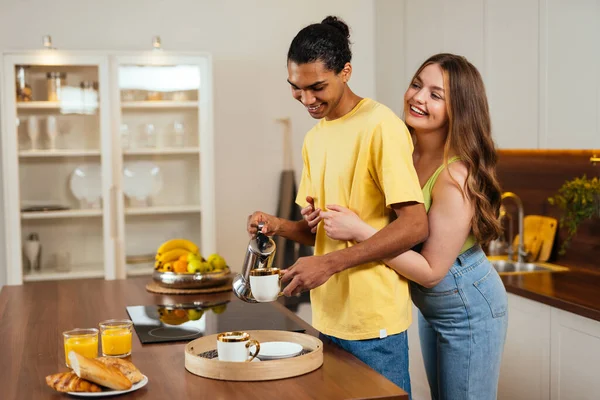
x,y
318,89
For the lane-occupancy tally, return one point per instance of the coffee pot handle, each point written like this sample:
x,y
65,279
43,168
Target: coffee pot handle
x,y
261,238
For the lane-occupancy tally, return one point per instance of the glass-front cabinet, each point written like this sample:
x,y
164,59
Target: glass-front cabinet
x,y
105,156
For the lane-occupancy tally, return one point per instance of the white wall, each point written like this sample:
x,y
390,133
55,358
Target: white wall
x,y
249,42
539,60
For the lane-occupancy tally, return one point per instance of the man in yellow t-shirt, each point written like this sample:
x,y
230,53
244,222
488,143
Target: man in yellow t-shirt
x,y
359,155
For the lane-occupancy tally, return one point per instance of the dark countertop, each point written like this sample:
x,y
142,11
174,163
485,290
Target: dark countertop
x,y
34,315
576,290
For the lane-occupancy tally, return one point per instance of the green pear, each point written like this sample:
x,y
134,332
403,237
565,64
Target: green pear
x,y
193,256
194,315
194,266
217,262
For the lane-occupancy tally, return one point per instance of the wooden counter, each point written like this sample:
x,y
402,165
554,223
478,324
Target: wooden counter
x,y
576,290
35,315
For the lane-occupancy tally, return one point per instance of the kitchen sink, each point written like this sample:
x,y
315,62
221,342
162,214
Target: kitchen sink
x,y
505,266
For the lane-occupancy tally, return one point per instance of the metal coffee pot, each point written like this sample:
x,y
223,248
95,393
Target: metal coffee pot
x,y
260,254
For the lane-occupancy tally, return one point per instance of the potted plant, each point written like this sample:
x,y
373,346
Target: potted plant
x,y
579,200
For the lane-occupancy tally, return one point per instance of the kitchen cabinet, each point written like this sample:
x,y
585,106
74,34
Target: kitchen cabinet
x,y
542,82
572,72
525,368
575,353
105,156
549,354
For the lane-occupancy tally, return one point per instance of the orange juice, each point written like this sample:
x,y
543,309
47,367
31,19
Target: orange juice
x,y
116,337
116,342
82,341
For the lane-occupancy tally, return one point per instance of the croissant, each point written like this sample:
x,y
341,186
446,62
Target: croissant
x,y
126,367
69,382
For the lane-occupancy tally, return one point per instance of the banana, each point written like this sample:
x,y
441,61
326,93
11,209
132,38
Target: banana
x,y
173,255
168,267
176,244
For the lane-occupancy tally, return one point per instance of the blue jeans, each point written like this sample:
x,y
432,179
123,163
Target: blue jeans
x,y
387,356
462,328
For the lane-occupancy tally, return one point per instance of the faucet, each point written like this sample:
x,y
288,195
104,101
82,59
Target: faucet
x,y
502,244
521,253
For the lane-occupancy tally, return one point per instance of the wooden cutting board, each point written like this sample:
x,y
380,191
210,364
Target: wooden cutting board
x,y
539,232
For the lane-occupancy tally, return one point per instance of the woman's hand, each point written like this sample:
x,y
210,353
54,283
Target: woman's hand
x,y
341,223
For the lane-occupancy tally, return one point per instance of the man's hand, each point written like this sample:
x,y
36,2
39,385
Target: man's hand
x,y
311,215
271,224
306,274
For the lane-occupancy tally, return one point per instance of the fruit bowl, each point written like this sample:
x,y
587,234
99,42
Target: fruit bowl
x,y
177,314
192,280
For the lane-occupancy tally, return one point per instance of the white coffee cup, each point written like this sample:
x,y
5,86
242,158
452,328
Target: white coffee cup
x,y
235,346
265,284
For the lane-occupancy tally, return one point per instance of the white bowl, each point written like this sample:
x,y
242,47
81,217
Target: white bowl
x,y
141,179
86,183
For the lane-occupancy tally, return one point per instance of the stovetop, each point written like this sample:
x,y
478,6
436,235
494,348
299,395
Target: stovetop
x,y
185,322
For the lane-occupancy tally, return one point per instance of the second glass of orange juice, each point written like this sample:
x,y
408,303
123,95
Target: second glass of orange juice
x,y
82,341
116,337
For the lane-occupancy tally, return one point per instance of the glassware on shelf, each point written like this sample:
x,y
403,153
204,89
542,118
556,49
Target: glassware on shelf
x,y
62,261
89,96
154,96
125,137
24,92
127,95
178,134
32,249
52,131
150,137
33,131
55,82
180,96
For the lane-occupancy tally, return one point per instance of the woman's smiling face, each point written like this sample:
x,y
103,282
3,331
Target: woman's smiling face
x,y
425,100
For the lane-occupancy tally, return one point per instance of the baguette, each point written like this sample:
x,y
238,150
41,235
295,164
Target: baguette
x,y
126,367
94,371
69,382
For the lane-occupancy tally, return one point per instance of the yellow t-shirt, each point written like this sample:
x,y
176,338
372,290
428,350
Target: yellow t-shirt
x,y
362,161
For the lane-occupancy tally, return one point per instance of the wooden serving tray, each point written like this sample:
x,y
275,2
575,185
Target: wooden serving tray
x,y
255,371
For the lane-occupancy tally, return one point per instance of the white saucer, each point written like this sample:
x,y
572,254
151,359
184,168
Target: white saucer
x,y
277,350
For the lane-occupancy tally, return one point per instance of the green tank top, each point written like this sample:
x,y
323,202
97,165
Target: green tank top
x,y
428,189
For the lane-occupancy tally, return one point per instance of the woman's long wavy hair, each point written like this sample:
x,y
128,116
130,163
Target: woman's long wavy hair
x,y
470,137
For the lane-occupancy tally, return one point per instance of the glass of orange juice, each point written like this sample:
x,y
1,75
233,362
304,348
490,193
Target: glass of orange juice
x,y
82,341
116,337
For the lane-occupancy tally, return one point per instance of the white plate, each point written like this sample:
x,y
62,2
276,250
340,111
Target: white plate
x,y
110,392
86,182
276,350
141,179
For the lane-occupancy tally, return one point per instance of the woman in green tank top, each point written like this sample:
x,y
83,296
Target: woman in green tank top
x,y
461,300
